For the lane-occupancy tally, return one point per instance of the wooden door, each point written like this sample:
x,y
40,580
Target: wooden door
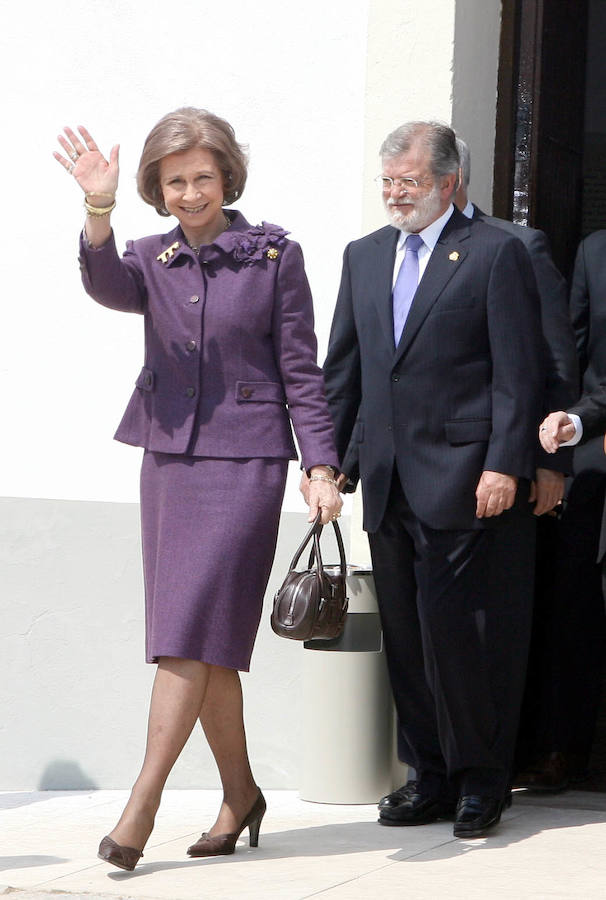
x,y
540,106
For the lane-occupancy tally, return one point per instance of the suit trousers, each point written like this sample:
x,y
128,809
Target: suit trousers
x,y
569,630
456,610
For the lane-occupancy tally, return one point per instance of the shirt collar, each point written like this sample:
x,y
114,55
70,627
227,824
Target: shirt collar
x,y
432,232
468,211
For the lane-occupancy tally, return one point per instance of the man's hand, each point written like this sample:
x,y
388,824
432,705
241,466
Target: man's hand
x,y
547,490
556,429
342,481
495,492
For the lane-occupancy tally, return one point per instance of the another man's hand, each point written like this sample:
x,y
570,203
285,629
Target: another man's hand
x,y
556,429
547,490
342,481
495,493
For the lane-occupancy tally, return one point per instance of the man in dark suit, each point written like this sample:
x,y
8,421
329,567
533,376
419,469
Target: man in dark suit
x,y
588,310
579,569
585,420
434,375
562,368
540,761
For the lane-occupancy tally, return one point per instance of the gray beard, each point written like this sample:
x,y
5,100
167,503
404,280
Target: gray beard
x,y
420,214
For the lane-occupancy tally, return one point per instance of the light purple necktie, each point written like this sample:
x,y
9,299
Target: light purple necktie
x,y
406,285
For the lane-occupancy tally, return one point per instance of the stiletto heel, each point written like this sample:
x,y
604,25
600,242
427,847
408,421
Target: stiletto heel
x,y
253,831
224,844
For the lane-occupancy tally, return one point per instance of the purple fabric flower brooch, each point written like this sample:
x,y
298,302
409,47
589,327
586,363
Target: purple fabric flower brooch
x,y
257,242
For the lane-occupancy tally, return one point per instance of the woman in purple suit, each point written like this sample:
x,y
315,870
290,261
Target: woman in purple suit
x,y
230,362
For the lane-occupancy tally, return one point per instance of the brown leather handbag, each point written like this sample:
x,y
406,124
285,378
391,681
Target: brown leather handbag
x,y
312,603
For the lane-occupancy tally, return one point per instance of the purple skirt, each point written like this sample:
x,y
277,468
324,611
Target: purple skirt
x,y
209,530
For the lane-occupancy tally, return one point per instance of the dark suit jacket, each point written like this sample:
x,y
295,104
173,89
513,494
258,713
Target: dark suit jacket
x,y
592,410
588,312
460,393
562,369
588,309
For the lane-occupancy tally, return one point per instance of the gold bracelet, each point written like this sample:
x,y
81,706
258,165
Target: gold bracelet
x,y
97,212
323,478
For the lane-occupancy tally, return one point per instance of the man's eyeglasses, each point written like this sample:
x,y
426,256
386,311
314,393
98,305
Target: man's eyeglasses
x,y
386,183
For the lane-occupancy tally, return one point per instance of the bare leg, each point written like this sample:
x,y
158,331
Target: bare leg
x,y
177,697
223,723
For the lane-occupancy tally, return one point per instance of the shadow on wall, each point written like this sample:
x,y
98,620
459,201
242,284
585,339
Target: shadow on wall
x,y
65,775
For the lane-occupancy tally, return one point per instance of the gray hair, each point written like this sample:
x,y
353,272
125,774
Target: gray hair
x,y
185,129
465,158
439,139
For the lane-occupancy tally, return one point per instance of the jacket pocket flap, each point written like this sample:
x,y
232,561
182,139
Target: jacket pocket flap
x,y
260,391
464,431
145,381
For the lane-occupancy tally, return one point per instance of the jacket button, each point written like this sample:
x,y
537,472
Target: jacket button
x,y
191,345
194,299
147,380
190,392
389,428
246,392
395,377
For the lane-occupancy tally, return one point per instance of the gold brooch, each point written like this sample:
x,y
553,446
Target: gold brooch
x,y
453,256
168,253
272,253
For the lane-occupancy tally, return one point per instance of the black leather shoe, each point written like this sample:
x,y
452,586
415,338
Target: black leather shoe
x,y
416,809
397,797
476,815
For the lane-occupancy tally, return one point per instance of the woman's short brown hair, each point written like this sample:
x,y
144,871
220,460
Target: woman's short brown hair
x,y
185,129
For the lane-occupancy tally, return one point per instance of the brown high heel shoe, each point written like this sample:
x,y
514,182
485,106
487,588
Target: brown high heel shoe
x,y
123,857
224,844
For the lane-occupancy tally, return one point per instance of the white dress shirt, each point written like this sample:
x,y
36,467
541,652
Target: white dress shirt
x,y
468,211
430,237
578,431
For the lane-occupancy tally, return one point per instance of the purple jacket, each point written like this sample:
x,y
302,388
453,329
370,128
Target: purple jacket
x,y
230,350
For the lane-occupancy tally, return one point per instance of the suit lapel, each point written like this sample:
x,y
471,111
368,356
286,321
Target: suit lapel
x,y
447,256
383,260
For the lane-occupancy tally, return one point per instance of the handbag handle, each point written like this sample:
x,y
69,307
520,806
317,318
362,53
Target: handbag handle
x,y
314,533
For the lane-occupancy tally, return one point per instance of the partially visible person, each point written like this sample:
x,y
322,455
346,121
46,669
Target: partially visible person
x,y
434,380
230,362
578,569
583,421
561,362
538,756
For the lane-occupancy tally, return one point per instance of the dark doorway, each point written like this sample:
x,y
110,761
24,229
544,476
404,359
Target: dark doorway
x,y
538,173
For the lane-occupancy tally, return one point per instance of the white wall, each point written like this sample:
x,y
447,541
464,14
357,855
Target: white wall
x,y
474,71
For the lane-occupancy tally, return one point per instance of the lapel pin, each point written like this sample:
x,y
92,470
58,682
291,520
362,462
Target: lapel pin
x,y
272,253
168,253
453,256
